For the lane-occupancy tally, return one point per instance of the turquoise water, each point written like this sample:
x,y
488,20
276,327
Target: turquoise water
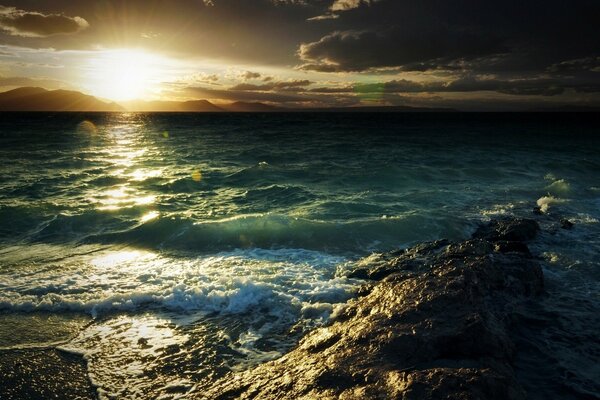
x,y
227,236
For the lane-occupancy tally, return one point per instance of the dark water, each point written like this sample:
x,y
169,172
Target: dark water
x,y
135,235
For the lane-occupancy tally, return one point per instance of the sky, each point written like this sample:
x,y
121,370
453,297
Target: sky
x,y
465,54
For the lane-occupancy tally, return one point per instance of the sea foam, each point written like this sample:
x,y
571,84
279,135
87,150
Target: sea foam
x,y
545,202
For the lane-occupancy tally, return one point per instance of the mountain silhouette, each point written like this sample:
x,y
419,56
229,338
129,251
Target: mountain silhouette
x,y
171,106
241,106
38,99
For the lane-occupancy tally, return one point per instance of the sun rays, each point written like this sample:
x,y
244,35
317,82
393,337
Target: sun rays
x,y
125,74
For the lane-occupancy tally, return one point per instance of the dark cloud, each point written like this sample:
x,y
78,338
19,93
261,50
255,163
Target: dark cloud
x,y
393,92
35,24
241,95
273,86
587,64
517,87
431,34
393,47
535,86
541,87
344,89
300,99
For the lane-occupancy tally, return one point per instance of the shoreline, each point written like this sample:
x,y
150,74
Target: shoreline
x,y
432,321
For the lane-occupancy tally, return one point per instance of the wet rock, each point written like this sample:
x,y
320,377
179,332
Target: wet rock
x,y
435,326
514,230
143,343
537,210
566,224
412,260
511,247
473,247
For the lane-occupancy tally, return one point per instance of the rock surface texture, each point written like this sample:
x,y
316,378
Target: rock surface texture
x,y
432,323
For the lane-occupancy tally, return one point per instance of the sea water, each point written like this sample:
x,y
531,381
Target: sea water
x,y
169,249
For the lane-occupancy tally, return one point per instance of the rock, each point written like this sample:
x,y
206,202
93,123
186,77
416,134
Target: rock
x,y
516,230
434,327
413,260
537,210
566,224
473,247
511,247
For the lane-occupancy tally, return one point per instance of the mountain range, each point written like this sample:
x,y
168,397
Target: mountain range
x,y
39,99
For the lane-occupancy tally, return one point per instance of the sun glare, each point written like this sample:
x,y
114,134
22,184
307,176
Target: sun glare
x,y
123,74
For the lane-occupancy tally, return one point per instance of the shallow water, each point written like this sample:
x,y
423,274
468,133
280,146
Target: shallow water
x,y
185,245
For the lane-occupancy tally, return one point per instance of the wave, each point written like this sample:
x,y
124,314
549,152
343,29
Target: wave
x,y
559,187
280,283
281,231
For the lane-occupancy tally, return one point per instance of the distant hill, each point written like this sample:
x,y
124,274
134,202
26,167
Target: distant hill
x,y
197,106
38,99
172,106
241,106
378,109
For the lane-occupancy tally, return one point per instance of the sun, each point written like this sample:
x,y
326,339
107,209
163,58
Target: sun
x,y
123,74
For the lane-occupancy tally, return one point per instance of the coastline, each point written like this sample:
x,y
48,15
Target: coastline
x,y
436,320
433,323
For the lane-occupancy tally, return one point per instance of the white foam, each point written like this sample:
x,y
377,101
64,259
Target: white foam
x,y
232,282
582,218
546,201
265,291
499,209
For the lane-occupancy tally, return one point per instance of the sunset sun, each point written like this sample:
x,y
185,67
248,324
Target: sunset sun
x,y
123,74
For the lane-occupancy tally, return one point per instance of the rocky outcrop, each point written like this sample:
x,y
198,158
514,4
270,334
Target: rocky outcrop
x,y
432,323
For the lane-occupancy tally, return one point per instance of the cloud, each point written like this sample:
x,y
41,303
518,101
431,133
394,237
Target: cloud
x,y
291,85
339,5
300,92
241,95
35,24
591,64
430,35
324,17
201,77
247,75
297,99
518,87
395,47
341,89
344,5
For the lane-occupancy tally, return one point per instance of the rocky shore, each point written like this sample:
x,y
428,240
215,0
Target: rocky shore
x,y
434,322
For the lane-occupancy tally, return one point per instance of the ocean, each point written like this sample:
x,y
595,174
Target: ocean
x,y
169,249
